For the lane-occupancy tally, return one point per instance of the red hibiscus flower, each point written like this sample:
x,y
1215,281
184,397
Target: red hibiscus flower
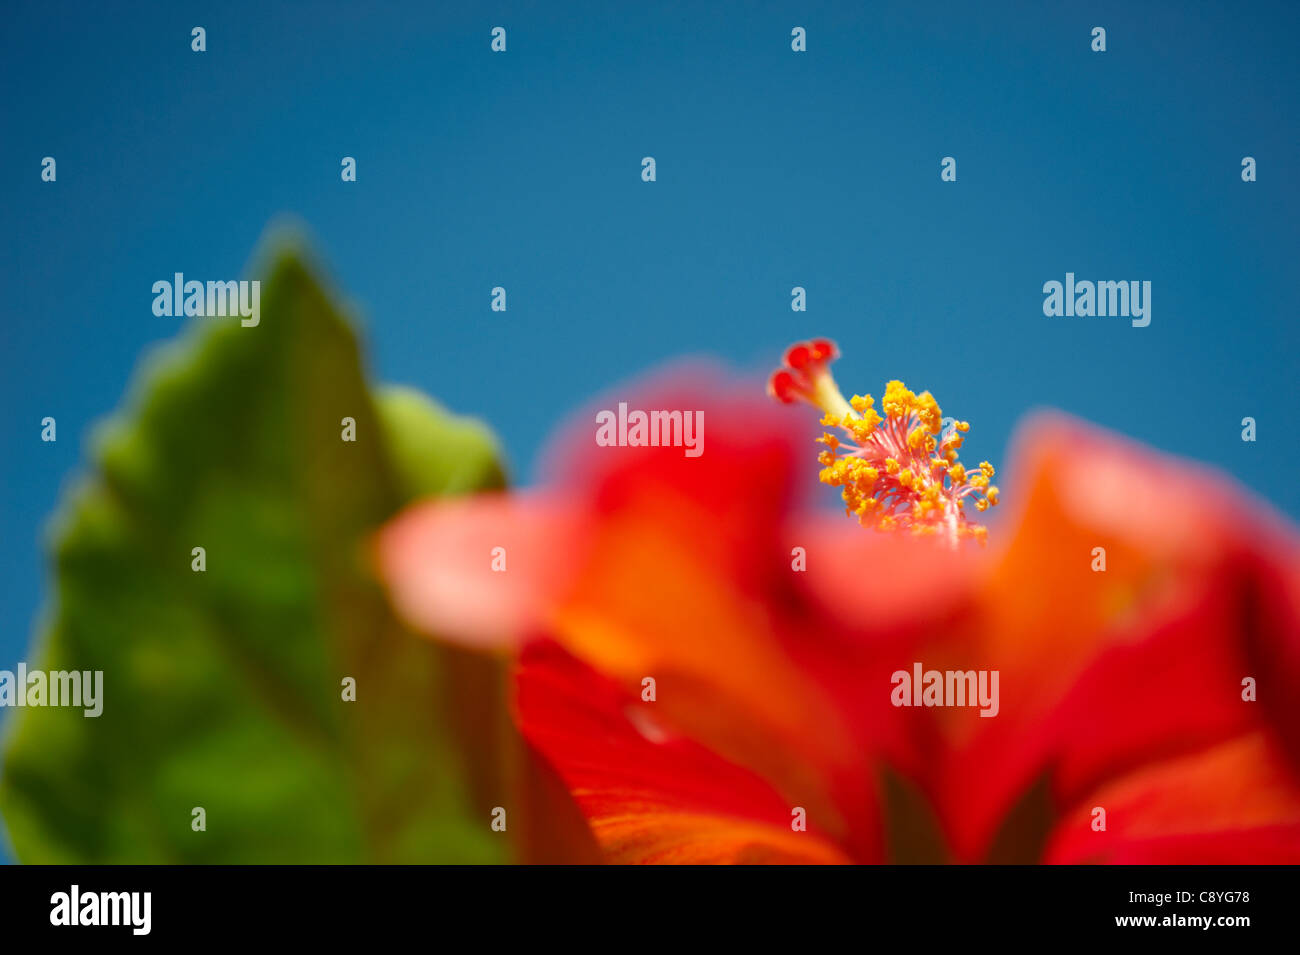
x,y
713,670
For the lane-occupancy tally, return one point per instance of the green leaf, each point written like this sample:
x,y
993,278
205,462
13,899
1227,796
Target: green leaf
x,y
434,453
223,688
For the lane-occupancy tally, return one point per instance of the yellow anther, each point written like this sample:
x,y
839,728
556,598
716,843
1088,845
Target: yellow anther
x,y
927,409
898,401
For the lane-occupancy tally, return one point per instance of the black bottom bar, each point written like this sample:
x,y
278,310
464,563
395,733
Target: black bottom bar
x,y
333,904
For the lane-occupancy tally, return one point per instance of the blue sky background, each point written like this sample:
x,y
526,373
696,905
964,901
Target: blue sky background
x,y
775,169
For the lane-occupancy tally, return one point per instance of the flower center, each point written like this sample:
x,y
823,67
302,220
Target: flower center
x,y
898,470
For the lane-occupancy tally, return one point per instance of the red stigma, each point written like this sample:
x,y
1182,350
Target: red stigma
x,y
783,387
797,356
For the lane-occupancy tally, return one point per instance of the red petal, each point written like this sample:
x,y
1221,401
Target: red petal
x,y
650,795
1236,803
1104,671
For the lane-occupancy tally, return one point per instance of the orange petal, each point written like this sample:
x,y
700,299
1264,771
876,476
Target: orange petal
x,y
483,570
687,578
